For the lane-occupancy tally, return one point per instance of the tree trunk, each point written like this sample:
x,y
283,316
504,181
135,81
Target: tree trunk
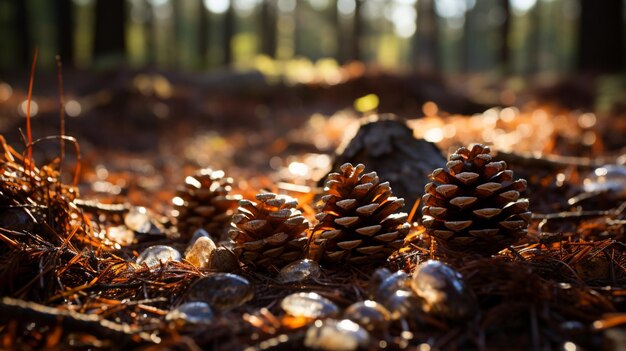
x,y
340,54
357,32
268,28
505,52
203,34
229,33
23,33
535,48
468,41
64,11
600,39
110,36
427,37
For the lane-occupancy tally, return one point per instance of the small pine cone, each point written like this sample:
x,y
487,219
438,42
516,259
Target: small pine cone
x,y
270,233
358,222
475,205
204,202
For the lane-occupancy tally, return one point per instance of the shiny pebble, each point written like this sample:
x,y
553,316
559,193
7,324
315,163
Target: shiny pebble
x,y
333,335
299,270
199,233
221,290
442,291
401,303
389,285
138,220
369,314
377,278
192,312
155,255
200,253
309,305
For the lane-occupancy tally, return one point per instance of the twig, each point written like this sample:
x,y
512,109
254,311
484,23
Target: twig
x,y
24,311
98,207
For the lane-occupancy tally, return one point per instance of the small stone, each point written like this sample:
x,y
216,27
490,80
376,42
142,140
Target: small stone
x,y
309,305
333,335
200,253
192,312
369,314
391,284
138,220
401,303
299,271
155,255
199,233
442,291
221,290
377,278
224,260
120,235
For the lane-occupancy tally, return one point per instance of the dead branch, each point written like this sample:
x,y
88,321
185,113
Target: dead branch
x,y
25,311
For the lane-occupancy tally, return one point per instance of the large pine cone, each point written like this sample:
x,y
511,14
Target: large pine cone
x,y
270,233
204,202
358,222
474,205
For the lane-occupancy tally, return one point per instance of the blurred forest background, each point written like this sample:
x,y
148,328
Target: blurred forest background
x,y
274,86
450,36
220,62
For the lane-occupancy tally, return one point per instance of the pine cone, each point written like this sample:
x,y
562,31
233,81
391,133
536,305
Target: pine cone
x,y
474,205
357,222
204,203
269,233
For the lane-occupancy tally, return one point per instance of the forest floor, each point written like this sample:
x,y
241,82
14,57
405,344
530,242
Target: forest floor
x,y
141,133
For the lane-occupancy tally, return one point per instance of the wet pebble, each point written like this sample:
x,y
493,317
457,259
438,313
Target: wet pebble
x,y
377,278
309,305
139,220
221,290
442,291
192,312
333,335
401,303
158,254
369,314
299,271
392,283
201,252
199,233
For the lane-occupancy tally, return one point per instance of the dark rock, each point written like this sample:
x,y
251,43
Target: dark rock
x,y
385,144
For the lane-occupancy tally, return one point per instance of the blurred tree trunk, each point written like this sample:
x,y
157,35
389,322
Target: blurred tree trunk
x,y
229,33
23,33
110,34
536,33
148,30
600,42
203,34
64,11
468,40
268,28
340,55
427,37
505,49
357,32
